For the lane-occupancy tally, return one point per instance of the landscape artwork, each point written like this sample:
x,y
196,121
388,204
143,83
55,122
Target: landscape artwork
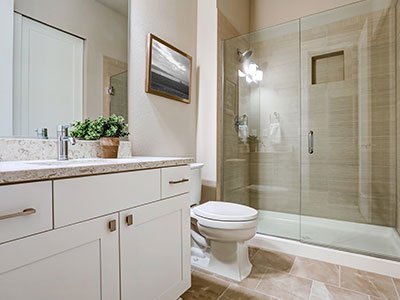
x,y
168,71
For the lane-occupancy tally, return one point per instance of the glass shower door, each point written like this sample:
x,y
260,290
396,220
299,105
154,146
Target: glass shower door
x,y
348,128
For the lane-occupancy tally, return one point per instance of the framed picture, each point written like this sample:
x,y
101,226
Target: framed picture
x,y
169,70
230,98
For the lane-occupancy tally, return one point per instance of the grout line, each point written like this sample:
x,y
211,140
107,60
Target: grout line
x,y
395,288
261,278
291,268
311,290
342,288
219,297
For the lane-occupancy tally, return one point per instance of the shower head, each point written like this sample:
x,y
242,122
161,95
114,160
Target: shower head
x,y
245,55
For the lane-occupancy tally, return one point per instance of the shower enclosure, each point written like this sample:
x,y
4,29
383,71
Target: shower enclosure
x,y
310,128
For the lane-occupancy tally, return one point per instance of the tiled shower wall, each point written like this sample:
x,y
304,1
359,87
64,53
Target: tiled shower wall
x,y
352,174
398,115
235,153
275,168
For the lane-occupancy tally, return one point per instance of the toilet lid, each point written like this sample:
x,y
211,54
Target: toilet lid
x,y
225,211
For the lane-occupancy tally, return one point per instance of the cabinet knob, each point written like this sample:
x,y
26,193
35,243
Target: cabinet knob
x,y
112,225
129,220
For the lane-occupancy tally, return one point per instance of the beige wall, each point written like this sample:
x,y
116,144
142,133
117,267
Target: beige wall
x,y
160,126
237,12
105,33
207,86
265,13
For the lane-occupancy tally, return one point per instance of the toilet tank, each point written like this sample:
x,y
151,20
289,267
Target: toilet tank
x,y
195,183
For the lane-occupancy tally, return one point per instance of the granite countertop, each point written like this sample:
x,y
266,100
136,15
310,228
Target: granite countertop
x,y
36,170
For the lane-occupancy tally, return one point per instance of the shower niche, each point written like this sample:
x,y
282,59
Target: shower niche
x,y
328,67
333,74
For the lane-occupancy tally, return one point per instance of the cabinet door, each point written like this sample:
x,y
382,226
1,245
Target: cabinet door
x,y
155,250
77,262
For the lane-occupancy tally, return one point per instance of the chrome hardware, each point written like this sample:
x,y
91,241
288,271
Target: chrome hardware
x,y
42,133
311,142
62,142
179,181
241,120
25,212
112,225
111,91
129,220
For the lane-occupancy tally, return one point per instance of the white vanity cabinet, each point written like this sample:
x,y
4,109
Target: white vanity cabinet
x,y
155,250
77,262
112,236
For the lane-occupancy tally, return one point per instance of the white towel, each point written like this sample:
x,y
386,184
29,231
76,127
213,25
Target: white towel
x,y
275,133
243,132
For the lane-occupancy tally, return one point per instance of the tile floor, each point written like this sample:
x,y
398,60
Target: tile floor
x,y
282,276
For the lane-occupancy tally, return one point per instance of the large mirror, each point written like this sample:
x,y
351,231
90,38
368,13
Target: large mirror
x,y
69,63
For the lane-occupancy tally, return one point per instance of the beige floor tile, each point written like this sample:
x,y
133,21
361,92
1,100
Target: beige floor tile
x,y
284,286
205,287
369,283
252,251
274,260
316,270
322,291
235,292
254,278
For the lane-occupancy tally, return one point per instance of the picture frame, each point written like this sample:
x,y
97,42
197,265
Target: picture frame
x,y
168,70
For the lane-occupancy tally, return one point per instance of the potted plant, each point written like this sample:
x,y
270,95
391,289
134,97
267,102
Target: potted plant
x,y
253,142
108,130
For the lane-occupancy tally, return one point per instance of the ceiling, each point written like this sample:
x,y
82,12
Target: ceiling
x,y
120,6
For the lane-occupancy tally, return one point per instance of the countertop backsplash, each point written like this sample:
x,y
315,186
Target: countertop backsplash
x,y
12,149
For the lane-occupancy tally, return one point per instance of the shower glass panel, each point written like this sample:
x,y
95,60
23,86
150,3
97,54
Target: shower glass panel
x,y
310,128
348,111
262,152
119,95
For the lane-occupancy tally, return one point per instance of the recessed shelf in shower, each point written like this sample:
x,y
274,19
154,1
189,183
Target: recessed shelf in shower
x,y
327,67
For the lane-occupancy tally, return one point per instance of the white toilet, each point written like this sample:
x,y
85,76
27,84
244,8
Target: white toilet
x,y
224,228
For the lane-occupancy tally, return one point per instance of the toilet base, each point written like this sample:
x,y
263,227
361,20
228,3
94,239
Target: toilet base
x,y
228,259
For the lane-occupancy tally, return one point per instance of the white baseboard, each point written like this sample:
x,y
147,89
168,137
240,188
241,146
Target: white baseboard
x,y
348,259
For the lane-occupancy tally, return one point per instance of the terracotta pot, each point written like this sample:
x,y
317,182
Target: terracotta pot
x,y
109,147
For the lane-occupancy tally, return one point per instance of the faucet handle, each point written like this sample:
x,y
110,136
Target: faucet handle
x,y
63,127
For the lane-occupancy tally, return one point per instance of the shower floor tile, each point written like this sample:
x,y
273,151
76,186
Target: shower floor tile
x,y
290,277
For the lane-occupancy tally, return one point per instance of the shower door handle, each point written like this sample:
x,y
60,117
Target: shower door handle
x,y
311,142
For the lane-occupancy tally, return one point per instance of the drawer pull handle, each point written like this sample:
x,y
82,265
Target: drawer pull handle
x,y
25,212
129,220
178,181
112,225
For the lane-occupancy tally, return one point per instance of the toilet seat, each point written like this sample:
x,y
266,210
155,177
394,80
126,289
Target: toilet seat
x,y
225,224
225,211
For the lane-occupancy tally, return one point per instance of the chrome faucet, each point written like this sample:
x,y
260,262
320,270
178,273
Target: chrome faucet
x,y
62,142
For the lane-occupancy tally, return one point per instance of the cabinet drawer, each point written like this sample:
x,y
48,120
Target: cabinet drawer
x,y
25,209
78,199
175,181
